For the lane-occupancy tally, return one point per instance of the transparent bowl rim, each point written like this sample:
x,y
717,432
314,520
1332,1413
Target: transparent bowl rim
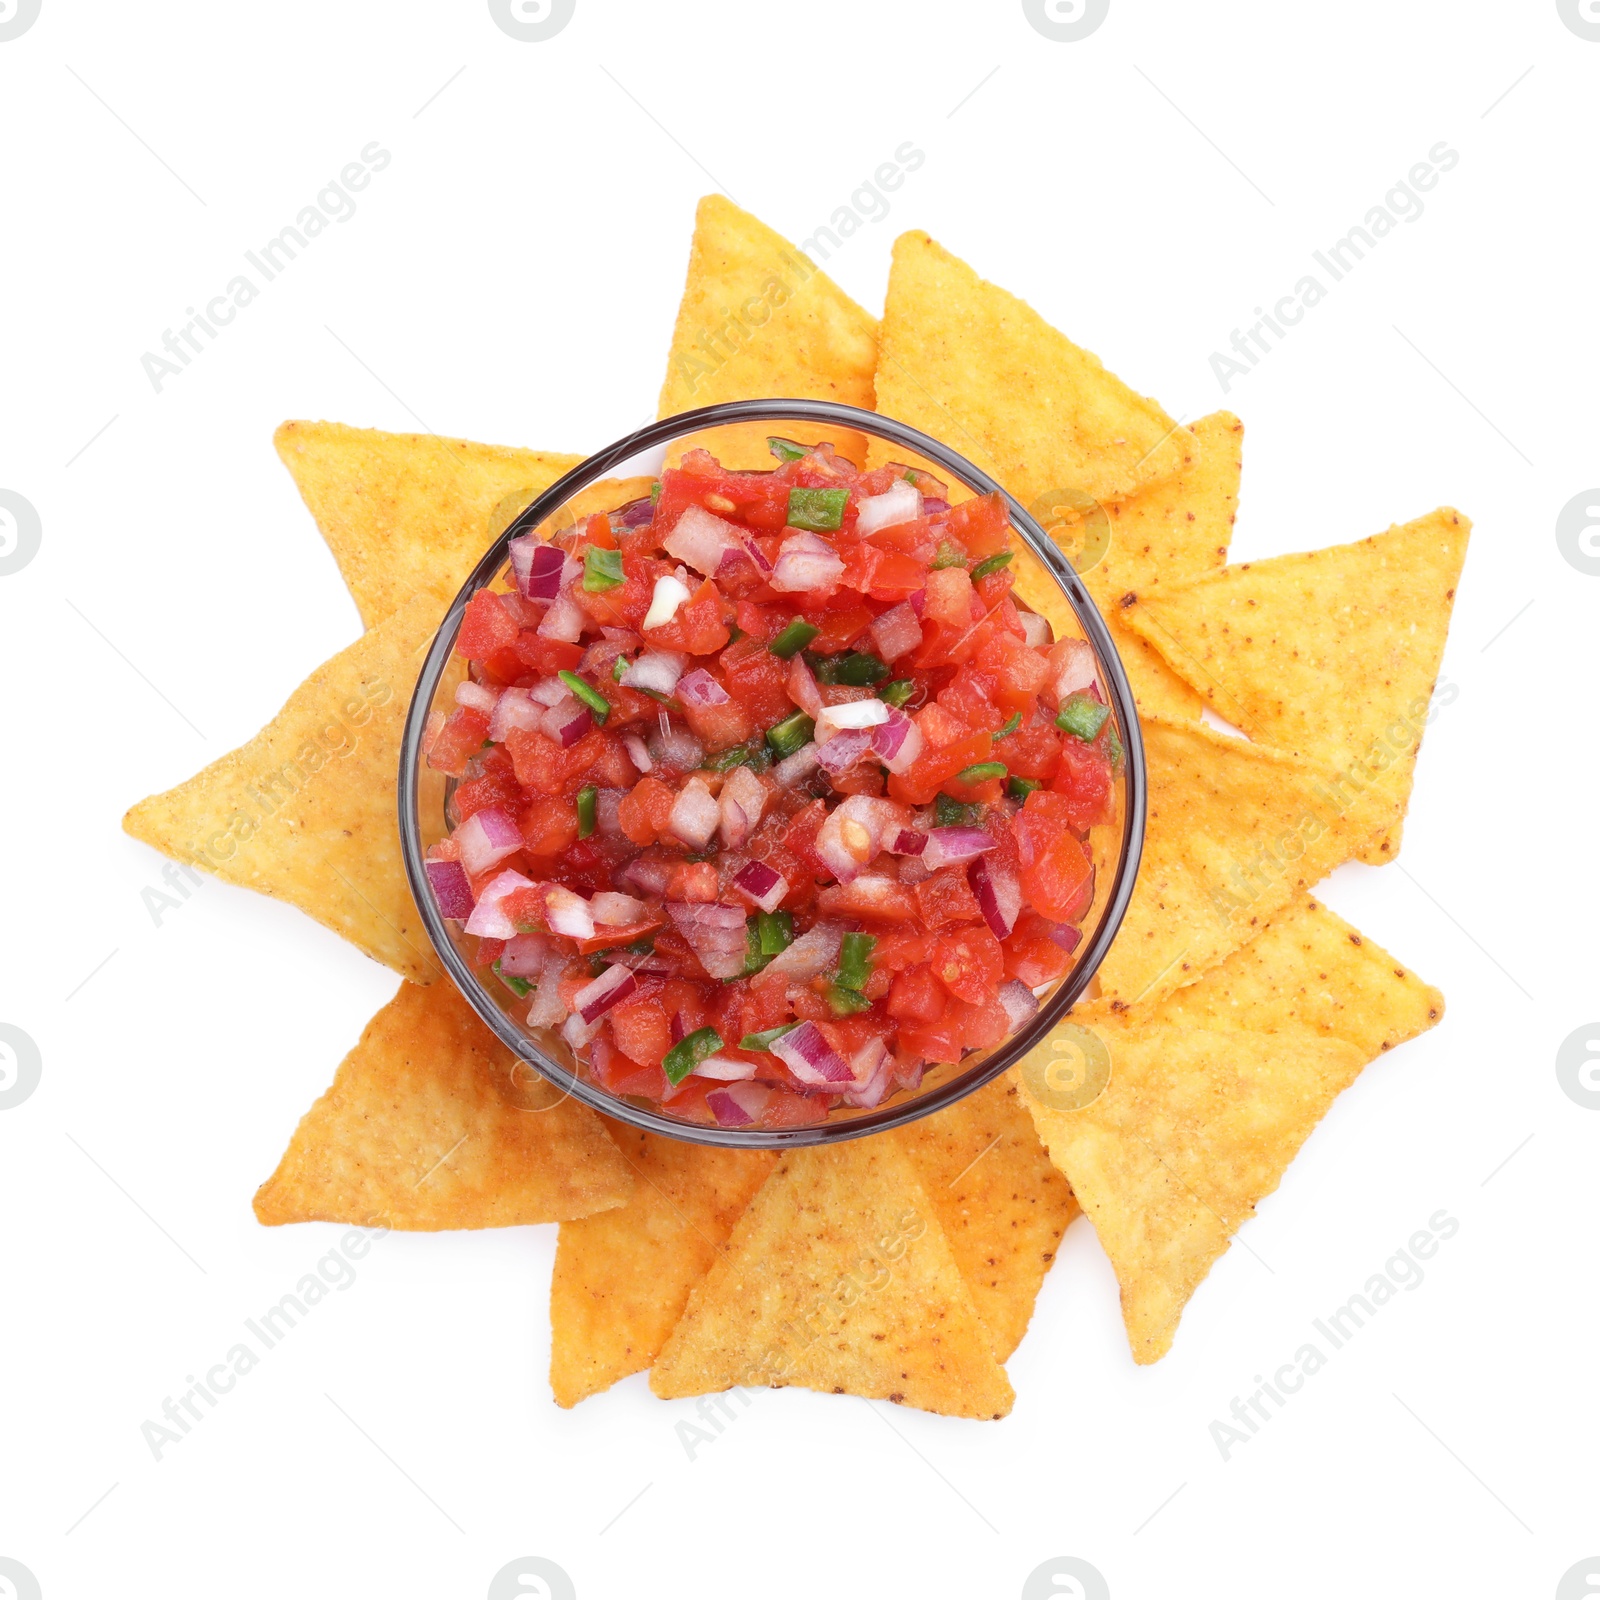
x,y
882,1118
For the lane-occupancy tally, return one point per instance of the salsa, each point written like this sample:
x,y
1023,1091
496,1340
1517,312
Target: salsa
x,y
768,795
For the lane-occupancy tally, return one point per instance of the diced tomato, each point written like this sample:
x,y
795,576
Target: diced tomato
x,y
755,678
719,727
486,626
970,964
934,769
497,787
949,598
970,696
1033,751
694,882
1055,870
871,899
839,629
982,526
1084,779
801,836
645,810
946,899
698,628
793,1111
641,1028
607,937
546,656
1032,956
898,949
548,828
461,738
1018,672
916,996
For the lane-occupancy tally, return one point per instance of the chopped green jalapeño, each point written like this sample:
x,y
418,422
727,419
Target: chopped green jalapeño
x,y
787,449
689,1052
596,702
602,569
1082,717
821,510
791,734
796,636
766,1038
991,564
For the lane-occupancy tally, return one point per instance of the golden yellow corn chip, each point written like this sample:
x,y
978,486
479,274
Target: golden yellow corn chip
x,y
406,513
1002,1205
986,374
1307,969
305,812
1331,653
1235,830
432,1123
1195,1128
622,1277
838,1277
759,320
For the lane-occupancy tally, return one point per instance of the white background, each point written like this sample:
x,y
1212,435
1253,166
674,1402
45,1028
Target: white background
x,y
512,276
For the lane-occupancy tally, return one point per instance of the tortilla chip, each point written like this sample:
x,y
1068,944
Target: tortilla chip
x,y
979,369
759,321
1175,531
405,513
432,1123
839,1278
305,812
1195,1128
1331,653
622,1277
1307,970
1234,831
1002,1206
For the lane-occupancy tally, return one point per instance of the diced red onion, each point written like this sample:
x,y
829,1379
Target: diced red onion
x,y
568,913
668,595
798,767
739,1105
488,919
549,692
487,837
448,880
617,910
638,754
608,813
918,601
841,752
805,562
656,670
716,933
765,886
600,658
1018,1000
516,708
724,1070
870,1066
1036,629
907,842
934,505
743,798
802,686
648,874
694,815
699,688
898,741
999,896
547,1009
700,540
809,1056
677,747
853,833
577,1032
568,722
612,987
896,631
476,696
849,717
813,952
1077,668
900,502
954,846
525,955
908,1073
536,567
563,621
640,961
1066,935
637,513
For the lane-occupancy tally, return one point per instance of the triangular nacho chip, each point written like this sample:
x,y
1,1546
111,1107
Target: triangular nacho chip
x,y
1234,831
1194,1129
432,1123
1308,970
305,811
1002,1205
760,321
1171,532
839,1278
1332,653
405,513
622,1277
979,369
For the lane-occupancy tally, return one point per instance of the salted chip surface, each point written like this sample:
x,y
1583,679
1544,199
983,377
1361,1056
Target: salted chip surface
x,y
305,812
1195,1128
1234,832
1001,1203
760,320
432,1123
1332,653
981,370
1308,969
405,513
622,1277
839,1277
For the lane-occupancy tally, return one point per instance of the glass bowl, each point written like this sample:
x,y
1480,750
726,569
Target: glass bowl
x,y
734,432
